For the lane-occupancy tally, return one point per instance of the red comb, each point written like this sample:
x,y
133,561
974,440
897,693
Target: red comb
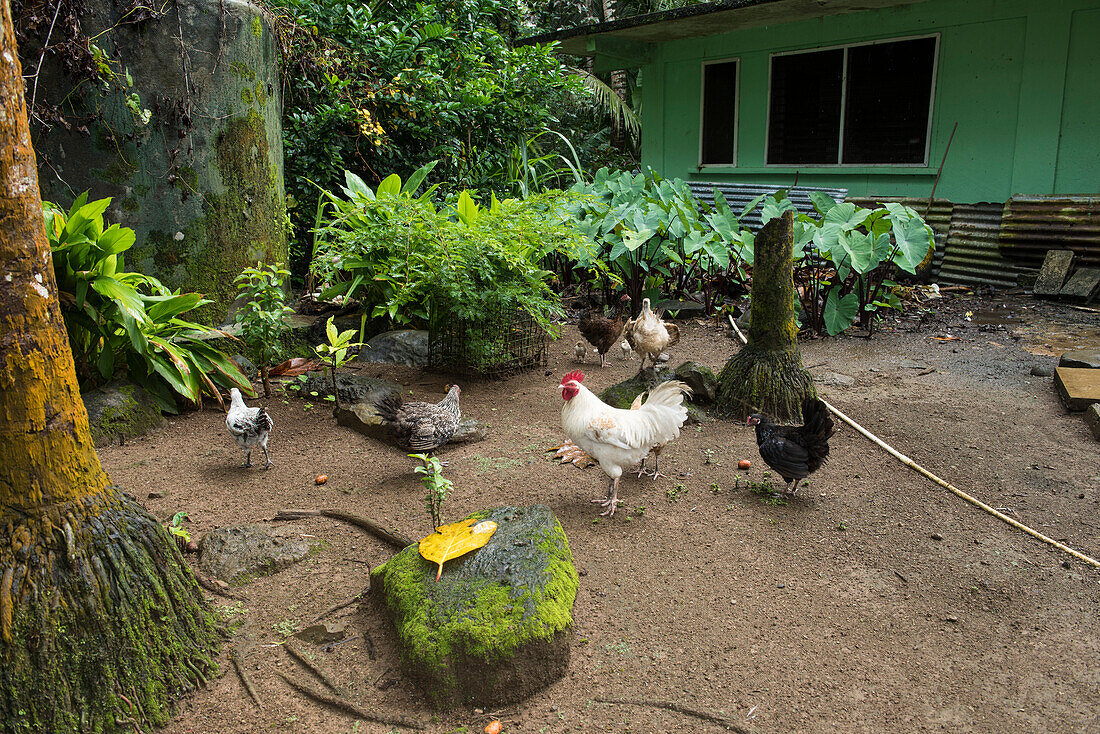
x,y
574,375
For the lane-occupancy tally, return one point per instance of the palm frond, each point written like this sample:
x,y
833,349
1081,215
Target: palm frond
x,y
620,111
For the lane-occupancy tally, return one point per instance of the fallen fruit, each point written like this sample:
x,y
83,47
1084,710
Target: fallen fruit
x,y
321,479
493,727
744,464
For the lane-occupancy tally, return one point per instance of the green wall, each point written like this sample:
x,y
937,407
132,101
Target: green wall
x,y
1021,79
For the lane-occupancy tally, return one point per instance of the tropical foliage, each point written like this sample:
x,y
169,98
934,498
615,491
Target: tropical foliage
x,y
122,322
261,313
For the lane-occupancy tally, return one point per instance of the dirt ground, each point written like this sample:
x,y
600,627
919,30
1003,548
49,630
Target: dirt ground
x,y
874,601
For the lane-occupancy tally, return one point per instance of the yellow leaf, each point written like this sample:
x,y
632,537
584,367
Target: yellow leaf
x,y
456,539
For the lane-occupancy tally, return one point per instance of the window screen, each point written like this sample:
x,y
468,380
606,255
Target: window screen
x,y
719,112
886,109
804,116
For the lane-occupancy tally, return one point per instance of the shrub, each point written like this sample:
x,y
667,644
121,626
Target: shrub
x,y
129,322
263,289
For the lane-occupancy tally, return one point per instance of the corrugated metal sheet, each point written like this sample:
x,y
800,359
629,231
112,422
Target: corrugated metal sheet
x,y
973,251
738,195
938,217
1034,224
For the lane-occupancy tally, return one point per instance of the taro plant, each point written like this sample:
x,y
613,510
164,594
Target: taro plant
x,y
655,235
336,351
260,316
438,487
846,256
129,323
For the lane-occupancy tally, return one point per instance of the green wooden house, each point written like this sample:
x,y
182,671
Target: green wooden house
x,y
870,96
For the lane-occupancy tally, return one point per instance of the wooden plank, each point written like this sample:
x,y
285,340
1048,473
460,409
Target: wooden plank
x,y
1078,387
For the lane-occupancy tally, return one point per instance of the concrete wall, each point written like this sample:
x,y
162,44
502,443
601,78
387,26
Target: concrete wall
x,y
1021,79
202,182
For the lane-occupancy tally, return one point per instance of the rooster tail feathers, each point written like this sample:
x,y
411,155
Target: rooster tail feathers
x,y
673,334
388,407
815,417
669,393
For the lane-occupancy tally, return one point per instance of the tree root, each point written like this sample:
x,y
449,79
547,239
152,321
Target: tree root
x,y
246,679
346,706
342,605
394,538
298,654
680,708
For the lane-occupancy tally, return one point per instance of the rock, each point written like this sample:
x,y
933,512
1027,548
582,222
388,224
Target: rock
x,y
701,380
1077,387
681,309
1092,420
353,387
239,554
362,417
1082,285
408,347
495,629
121,410
1087,358
1041,370
323,633
834,379
700,376
1056,266
244,364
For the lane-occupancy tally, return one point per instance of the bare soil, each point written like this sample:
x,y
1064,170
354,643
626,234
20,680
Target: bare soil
x,y
873,601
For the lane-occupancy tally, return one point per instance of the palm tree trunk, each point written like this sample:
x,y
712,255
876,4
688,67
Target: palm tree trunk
x,y
101,622
766,376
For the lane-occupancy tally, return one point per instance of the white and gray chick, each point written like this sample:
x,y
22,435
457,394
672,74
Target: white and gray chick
x,y
249,426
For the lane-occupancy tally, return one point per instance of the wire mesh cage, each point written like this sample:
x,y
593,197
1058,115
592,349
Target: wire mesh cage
x,y
500,344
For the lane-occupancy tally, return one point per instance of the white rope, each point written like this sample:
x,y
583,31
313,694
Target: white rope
x,y
943,483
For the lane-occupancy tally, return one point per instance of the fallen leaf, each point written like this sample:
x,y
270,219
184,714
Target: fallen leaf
x,y
456,539
294,366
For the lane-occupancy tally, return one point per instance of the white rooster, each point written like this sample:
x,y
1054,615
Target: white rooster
x,y
620,439
249,426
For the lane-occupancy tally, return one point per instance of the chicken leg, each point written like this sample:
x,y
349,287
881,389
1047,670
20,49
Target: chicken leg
x,y
611,501
267,458
247,459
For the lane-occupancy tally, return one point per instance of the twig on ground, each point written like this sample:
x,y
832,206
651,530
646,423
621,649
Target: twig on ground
x,y
903,579
392,537
928,371
215,587
246,679
352,709
342,604
298,654
680,708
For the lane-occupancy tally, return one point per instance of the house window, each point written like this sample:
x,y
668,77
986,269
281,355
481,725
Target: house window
x,y
719,137
867,104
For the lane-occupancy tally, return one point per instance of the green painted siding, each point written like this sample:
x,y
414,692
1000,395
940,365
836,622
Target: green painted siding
x,y
1021,79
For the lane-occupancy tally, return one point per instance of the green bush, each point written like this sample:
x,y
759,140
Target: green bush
x,y
403,258
260,316
129,322
654,236
845,256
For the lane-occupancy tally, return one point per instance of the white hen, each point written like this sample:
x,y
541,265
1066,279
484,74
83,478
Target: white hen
x,y
249,426
649,335
619,439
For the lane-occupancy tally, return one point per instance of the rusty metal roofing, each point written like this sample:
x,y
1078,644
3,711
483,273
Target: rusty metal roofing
x,y
973,252
738,196
1034,224
704,19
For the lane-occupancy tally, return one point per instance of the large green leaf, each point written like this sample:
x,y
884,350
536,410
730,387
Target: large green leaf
x,y
859,249
914,241
162,308
391,186
418,177
116,239
128,299
840,312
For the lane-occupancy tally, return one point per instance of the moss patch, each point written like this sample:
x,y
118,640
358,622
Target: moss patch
x,y
120,410
494,628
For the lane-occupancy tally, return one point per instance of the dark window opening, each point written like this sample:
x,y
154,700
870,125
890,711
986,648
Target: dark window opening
x,y
719,113
886,111
884,100
804,116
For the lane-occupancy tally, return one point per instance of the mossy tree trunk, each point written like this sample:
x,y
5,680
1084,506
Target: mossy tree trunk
x,y
101,622
766,376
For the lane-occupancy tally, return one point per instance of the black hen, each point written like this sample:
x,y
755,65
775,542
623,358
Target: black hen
x,y
795,452
421,426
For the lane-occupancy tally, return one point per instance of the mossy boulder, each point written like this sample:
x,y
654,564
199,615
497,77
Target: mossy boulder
x,y
240,554
697,376
119,411
496,628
